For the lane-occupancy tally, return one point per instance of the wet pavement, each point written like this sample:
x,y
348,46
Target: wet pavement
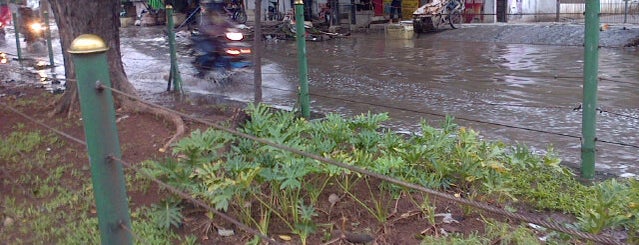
x,y
516,93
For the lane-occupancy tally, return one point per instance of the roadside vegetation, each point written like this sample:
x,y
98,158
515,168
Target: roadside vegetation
x,y
303,201
266,186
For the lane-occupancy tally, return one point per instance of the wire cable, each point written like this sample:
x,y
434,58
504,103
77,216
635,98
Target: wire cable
x,y
135,236
170,188
548,224
468,119
68,136
196,201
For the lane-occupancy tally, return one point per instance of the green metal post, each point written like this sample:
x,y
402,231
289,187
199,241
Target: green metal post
x,y
301,56
591,68
49,45
175,72
89,56
17,31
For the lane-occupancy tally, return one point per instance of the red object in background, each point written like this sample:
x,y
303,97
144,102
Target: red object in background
x,y
5,14
473,8
378,6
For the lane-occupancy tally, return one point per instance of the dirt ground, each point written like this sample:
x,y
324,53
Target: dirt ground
x,y
141,136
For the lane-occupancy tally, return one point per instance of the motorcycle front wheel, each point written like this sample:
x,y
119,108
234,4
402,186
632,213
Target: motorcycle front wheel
x,y
455,19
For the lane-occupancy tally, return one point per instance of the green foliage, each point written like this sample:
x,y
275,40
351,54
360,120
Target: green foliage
x,y
166,214
495,233
614,206
14,145
231,171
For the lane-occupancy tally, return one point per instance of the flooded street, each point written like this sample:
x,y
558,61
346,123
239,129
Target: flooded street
x,y
516,93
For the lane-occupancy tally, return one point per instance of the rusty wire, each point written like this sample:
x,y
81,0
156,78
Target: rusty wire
x,y
68,136
157,181
133,234
548,224
195,201
573,108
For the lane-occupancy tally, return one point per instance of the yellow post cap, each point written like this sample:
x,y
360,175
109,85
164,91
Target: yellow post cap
x,y
87,44
299,1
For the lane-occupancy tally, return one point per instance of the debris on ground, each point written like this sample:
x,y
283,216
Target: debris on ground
x,y
286,30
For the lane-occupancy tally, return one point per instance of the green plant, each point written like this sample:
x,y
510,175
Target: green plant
x,y
305,225
610,209
242,176
166,214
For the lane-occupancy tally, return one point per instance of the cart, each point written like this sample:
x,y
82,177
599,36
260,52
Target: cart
x,y
437,14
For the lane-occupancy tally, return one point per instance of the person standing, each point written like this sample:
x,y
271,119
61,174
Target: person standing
x,y
396,8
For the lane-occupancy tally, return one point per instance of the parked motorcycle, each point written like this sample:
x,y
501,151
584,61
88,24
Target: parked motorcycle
x,y
221,54
236,12
273,12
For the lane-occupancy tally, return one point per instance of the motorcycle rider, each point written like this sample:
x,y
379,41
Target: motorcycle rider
x,y
27,17
212,27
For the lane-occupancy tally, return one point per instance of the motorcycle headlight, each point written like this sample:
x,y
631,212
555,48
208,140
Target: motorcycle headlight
x,y
234,36
3,58
37,27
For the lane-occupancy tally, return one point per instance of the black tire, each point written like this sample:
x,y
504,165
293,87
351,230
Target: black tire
x,y
455,19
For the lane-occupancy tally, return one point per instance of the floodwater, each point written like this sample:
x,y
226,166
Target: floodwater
x,y
516,93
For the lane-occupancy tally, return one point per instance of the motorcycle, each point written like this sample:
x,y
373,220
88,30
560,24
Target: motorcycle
x,y
32,27
221,54
236,12
273,12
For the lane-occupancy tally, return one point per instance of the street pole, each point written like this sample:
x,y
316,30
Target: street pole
x,y
98,116
591,68
301,57
175,72
558,10
17,31
625,12
257,53
49,45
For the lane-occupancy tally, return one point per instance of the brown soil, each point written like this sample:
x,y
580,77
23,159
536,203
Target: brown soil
x,y
141,136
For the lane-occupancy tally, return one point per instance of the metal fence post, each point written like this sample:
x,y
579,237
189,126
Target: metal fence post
x,y
591,68
175,72
625,12
89,56
301,57
558,10
49,45
17,31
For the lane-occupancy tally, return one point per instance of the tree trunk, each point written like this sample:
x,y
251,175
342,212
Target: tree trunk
x,y
76,17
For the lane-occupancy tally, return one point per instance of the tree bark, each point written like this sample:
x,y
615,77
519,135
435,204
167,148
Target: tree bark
x,y
76,17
